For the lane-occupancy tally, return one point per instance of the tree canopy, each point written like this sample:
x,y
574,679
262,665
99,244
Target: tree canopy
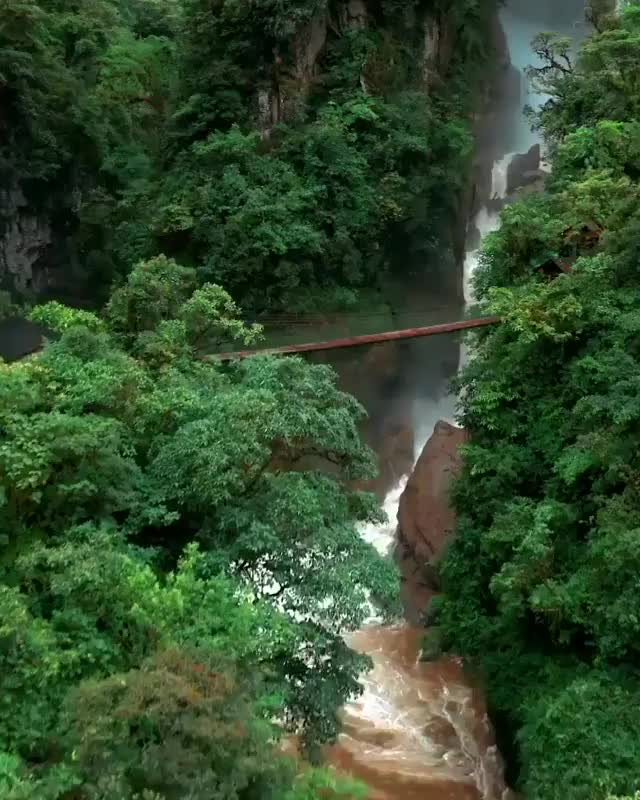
x,y
284,151
179,553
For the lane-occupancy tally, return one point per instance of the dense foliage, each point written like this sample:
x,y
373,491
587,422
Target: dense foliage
x,y
541,583
179,555
84,86
279,147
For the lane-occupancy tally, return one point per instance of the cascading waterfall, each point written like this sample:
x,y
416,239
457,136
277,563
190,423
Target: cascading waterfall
x,y
421,729
382,537
486,221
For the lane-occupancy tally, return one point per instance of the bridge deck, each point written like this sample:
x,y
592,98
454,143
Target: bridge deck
x,y
358,341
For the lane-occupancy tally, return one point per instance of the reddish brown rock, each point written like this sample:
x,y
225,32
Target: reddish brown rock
x,y
426,519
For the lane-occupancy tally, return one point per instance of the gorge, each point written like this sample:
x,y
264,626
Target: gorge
x,y
421,729
199,594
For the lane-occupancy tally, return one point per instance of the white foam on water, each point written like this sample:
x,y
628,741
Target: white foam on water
x,y
383,536
486,221
499,174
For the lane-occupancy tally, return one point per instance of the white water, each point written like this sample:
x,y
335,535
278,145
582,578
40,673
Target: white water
x,y
383,537
418,730
521,20
486,221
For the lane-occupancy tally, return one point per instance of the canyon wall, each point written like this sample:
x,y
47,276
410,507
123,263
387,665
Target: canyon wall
x,y
25,237
426,519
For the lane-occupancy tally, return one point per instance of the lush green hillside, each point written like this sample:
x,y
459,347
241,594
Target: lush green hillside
x,y
542,581
292,152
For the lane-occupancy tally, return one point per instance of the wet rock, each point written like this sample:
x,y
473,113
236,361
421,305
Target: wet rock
x,y
425,517
523,169
440,731
376,379
394,446
395,455
535,186
24,238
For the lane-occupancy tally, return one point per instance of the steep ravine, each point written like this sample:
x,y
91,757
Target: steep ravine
x,y
421,729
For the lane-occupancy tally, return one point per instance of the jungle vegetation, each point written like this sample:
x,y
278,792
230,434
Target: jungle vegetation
x,y
204,132
541,583
179,555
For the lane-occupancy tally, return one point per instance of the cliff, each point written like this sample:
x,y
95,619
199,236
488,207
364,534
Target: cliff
x,y
426,519
298,66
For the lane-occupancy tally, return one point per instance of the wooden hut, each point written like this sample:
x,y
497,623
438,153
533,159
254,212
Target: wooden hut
x,y
553,267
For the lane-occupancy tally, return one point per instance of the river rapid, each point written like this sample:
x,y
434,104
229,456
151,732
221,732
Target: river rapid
x,y
421,730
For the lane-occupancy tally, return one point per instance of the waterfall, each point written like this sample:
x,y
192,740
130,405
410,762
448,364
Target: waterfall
x,y
486,221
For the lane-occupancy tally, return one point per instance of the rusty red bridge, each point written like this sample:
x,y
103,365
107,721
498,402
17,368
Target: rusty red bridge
x,y
358,341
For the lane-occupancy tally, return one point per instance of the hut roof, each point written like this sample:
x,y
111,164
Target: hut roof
x,y
556,266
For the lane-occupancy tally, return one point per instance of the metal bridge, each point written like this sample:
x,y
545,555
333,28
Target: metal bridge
x,y
359,341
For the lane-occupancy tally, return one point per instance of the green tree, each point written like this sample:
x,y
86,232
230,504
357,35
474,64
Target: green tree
x,y
601,84
122,447
36,86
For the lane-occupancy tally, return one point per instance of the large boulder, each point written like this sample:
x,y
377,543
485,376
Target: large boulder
x,y
426,519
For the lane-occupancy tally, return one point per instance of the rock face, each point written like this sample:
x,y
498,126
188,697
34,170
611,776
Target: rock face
x,y
308,45
425,517
376,378
439,48
34,254
395,455
24,238
353,15
523,169
290,84
299,66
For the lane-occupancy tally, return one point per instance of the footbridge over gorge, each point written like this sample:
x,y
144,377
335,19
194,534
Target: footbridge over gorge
x,y
366,339
20,338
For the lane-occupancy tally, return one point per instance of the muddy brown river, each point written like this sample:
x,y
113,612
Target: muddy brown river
x,y
420,730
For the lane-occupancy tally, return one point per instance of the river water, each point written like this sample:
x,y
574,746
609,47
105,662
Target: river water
x,y
420,730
